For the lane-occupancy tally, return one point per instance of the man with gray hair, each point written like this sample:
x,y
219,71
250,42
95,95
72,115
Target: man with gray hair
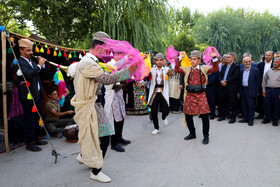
x,y
250,80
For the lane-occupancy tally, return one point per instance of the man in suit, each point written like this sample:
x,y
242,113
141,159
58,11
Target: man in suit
x,y
250,81
229,80
271,93
263,66
30,70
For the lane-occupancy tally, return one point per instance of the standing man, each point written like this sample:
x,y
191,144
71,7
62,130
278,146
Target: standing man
x,y
87,76
195,102
271,93
159,91
229,80
31,71
263,66
250,81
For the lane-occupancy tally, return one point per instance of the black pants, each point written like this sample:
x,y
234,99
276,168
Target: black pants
x,y
116,138
31,121
159,100
260,108
205,124
104,143
228,103
174,104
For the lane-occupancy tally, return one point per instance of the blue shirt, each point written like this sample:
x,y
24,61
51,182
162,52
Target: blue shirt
x,y
245,77
226,72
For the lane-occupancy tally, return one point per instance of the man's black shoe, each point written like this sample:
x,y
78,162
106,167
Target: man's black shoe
x,y
275,123
124,141
212,117
243,121
259,117
40,142
250,123
265,121
118,148
232,120
190,136
221,118
205,140
33,147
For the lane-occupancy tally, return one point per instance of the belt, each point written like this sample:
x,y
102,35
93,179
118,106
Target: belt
x,y
272,88
159,86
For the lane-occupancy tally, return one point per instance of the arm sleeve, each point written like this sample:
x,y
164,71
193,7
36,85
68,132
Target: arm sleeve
x,y
29,73
118,76
214,68
177,68
264,82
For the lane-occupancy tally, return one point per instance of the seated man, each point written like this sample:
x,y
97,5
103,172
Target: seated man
x,y
54,125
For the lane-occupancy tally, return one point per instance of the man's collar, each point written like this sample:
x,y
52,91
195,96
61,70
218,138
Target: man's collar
x,y
248,69
93,57
197,67
28,60
267,62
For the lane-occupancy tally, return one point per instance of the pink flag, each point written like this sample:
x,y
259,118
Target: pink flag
x,y
206,55
125,54
171,54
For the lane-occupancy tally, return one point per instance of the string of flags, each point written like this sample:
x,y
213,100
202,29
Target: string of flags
x,y
50,49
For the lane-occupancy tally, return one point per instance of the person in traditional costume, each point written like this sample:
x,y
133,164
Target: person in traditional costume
x,y
195,102
159,91
87,77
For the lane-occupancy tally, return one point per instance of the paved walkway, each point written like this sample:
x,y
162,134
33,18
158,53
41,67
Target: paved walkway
x,y
237,155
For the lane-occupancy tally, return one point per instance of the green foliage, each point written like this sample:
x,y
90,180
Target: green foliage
x,y
239,31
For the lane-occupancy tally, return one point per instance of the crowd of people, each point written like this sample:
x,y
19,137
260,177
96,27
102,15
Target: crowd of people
x,y
224,90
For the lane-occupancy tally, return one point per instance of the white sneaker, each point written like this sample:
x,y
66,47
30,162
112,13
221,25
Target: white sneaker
x,y
101,177
80,159
155,132
165,122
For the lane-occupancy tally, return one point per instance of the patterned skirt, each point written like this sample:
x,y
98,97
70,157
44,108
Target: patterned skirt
x,y
196,103
104,126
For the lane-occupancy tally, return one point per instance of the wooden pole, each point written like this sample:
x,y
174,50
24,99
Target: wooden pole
x,y
4,89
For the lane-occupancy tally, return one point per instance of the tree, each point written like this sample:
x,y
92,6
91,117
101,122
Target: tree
x,y
239,31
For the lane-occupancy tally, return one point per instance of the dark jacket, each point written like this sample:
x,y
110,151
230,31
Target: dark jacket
x,y
32,76
261,68
232,77
254,82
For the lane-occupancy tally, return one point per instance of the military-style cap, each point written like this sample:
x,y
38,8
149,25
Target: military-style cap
x,y
25,43
196,53
159,55
100,35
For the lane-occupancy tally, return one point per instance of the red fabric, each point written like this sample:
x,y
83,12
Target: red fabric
x,y
196,103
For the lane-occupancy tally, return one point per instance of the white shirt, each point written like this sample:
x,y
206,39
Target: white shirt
x,y
159,78
267,67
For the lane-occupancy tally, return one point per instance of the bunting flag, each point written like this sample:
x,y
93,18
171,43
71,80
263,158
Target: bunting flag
x,y
40,122
59,81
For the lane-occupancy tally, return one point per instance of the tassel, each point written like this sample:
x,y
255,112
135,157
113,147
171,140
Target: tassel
x,y
80,56
46,46
75,55
144,103
27,84
29,97
40,122
48,51
150,78
35,43
36,49
14,62
142,99
54,53
65,54
69,56
42,50
12,39
166,77
140,93
10,50
59,54
48,136
148,110
34,109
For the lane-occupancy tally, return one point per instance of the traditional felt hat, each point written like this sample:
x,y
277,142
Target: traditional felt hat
x,y
100,36
25,43
196,53
159,55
